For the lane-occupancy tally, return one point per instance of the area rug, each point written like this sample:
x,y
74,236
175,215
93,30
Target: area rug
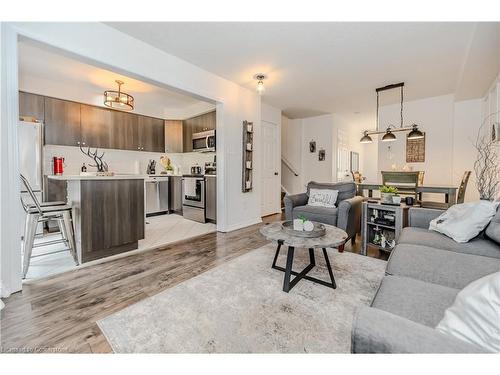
x,y
239,307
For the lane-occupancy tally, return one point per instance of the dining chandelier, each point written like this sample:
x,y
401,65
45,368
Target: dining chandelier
x,y
388,133
118,99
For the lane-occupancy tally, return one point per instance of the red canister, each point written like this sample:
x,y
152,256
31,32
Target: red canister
x,y
58,165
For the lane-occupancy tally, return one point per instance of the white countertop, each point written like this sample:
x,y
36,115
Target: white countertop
x,y
91,177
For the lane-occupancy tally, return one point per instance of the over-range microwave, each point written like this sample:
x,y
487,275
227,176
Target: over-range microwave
x,y
204,141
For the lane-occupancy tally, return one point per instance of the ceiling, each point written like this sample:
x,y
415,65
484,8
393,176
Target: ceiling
x,y
316,68
44,70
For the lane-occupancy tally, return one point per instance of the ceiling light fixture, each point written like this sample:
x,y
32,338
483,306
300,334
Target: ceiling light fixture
x,y
388,134
118,99
415,133
260,82
366,138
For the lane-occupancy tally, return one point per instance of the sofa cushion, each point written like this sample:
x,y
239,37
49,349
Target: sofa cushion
x,y
346,189
443,267
493,229
315,213
421,302
425,237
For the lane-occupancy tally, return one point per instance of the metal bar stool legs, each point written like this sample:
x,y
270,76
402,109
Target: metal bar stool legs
x,y
69,233
29,238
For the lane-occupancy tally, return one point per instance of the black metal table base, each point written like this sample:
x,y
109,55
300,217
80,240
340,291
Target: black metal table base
x,y
288,282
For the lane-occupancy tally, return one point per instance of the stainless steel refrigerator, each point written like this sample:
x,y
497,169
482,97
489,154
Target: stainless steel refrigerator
x,y
30,137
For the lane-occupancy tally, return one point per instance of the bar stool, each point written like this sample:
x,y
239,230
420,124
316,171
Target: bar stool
x,y
36,213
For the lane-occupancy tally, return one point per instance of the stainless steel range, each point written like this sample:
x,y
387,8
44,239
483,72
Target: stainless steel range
x,y
193,197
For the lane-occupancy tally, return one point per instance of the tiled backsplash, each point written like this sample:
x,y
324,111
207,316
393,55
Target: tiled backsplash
x,y
121,161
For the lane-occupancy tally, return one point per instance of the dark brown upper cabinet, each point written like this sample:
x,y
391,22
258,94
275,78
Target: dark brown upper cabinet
x,y
196,124
31,105
173,136
96,126
125,130
62,122
151,134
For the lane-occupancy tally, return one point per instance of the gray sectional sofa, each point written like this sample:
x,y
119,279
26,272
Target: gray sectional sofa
x,y
424,273
346,216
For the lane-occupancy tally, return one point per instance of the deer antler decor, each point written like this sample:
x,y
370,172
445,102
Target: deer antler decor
x,y
100,164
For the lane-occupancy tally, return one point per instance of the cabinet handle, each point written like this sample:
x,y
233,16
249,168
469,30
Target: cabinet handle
x,y
83,143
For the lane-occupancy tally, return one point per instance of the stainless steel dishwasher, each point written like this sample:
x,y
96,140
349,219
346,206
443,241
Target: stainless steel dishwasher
x,y
157,195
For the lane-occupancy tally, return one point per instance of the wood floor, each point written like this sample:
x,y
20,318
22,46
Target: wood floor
x,y
59,314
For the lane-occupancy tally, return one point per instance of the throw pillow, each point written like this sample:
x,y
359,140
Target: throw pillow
x,y
465,221
475,315
322,197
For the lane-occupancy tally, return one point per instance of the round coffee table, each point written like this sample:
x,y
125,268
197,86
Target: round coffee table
x,y
334,237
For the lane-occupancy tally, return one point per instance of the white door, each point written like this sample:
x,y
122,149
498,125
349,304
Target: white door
x,y
271,180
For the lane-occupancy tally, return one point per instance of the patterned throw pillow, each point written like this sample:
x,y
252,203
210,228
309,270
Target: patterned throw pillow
x,y
322,197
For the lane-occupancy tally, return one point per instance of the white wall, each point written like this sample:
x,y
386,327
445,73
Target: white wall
x,y
142,61
435,117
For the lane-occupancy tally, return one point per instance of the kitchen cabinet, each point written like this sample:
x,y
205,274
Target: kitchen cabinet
x,y
62,122
96,126
196,124
151,134
176,194
211,198
31,105
173,136
125,130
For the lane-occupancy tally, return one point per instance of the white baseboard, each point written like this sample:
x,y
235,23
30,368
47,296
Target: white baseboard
x,y
244,224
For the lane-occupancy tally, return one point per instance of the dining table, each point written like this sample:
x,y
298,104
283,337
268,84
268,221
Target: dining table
x,y
449,191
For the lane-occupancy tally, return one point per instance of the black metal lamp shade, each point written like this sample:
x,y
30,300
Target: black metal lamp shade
x,y
388,136
366,138
415,133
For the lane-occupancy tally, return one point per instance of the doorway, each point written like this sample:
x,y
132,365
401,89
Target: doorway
x,y
271,186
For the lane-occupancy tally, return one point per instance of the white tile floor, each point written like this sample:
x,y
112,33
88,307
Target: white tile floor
x,y
160,230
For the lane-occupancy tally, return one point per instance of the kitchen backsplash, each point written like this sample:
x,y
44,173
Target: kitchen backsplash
x,y
120,161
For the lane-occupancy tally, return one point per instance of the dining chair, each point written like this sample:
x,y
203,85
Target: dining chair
x,y
460,195
37,212
405,182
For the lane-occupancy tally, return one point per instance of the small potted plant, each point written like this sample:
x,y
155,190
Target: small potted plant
x,y
396,198
387,192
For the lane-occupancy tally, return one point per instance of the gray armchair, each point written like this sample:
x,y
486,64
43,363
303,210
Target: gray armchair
x,y
346,216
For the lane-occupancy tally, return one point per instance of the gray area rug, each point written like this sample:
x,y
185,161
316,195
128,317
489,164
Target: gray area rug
x,y
239,307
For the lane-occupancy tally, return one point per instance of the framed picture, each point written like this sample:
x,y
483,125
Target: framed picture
x,y
312,146
415,150
321,155
495,132
354,162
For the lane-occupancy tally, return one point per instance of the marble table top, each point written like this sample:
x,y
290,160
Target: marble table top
x,y
334,237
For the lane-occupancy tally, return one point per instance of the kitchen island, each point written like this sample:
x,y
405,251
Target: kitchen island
x,y
108,213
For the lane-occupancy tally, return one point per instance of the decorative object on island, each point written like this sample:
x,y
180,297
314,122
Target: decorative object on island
x,y
247,156
387,193
321,154
118,99
391,129
312,146
101,165
487,166
415,149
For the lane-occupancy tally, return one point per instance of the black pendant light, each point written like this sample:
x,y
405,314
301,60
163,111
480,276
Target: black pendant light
x,y
366,138
415,133
388,136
